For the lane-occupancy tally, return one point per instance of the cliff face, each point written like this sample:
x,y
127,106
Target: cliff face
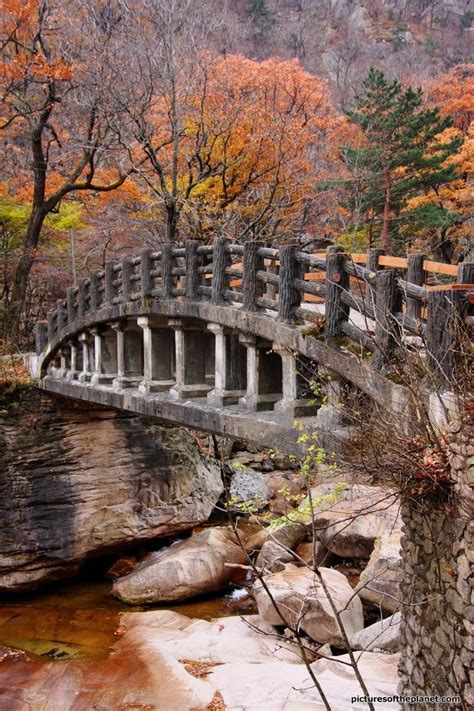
x,y
77,483
340,39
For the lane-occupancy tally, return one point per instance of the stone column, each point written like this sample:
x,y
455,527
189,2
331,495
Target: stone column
x,y
157,362
86,374
72,372
190,349
292,402
100,376
129,357
225,391
258,395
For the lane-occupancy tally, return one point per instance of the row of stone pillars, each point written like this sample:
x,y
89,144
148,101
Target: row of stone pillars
x,y
187,361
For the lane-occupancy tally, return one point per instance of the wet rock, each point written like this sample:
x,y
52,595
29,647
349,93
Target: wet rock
x,y
384,635
380,581
349,522
185,569
76,483
301,599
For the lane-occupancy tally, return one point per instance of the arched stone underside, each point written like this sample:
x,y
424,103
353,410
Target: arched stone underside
x,y
222,338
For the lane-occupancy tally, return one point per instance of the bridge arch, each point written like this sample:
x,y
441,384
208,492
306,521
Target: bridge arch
x,y
211,337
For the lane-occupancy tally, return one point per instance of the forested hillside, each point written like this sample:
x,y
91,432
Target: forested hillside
x,y
132,123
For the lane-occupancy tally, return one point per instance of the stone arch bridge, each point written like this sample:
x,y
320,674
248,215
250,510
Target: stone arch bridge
x,y
224,338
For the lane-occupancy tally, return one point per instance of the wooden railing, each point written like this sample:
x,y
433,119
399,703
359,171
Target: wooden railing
x,y
393,294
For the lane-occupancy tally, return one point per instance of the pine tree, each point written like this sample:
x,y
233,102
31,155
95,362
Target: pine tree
x,y
403,154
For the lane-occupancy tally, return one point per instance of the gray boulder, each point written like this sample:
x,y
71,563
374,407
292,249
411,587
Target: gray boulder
x,y
383,636
380,581
301,600
185,569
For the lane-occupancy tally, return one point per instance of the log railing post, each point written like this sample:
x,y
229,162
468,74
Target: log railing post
x,y
81,298
251,286
388,302
220,280
192,263
51,319
61,318
466,273
336,312
415,275
71,303
290,297
373,256
167,281
440,334
109,289
127,271
94,294
41,336
145,273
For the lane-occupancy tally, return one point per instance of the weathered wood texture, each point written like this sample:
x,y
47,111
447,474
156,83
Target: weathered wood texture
x,y
146,265
388,303
167,279
415,275
290,271
252,287
220,280
192,263
337,312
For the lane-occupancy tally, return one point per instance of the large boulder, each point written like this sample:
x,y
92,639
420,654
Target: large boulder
x,y
185,569
301,600
383,635
248,489
380,581
349,518
76,482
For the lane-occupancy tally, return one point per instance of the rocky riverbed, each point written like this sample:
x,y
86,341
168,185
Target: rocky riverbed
x,y
221,613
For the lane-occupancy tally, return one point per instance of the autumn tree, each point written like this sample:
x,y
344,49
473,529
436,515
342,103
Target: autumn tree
x,y
224,144
55,123
401,153
447,228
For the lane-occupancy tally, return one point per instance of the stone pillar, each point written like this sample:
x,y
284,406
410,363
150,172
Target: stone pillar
x,y
226,391
129,356
103,375
73,369
437,629
260,393
157,360
190,349
292,403
86,374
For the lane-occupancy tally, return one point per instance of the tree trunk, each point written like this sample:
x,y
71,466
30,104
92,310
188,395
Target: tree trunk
x,y
385,239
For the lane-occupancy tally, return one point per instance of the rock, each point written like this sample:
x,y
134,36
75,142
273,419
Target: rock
x,y
152,663
384,635
273,557
279,686
380,581
313,553
185,569
287,533
248,490
349,525
75,483
122,566
301,599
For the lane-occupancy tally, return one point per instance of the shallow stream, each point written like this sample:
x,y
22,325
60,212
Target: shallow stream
x,y
79,618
